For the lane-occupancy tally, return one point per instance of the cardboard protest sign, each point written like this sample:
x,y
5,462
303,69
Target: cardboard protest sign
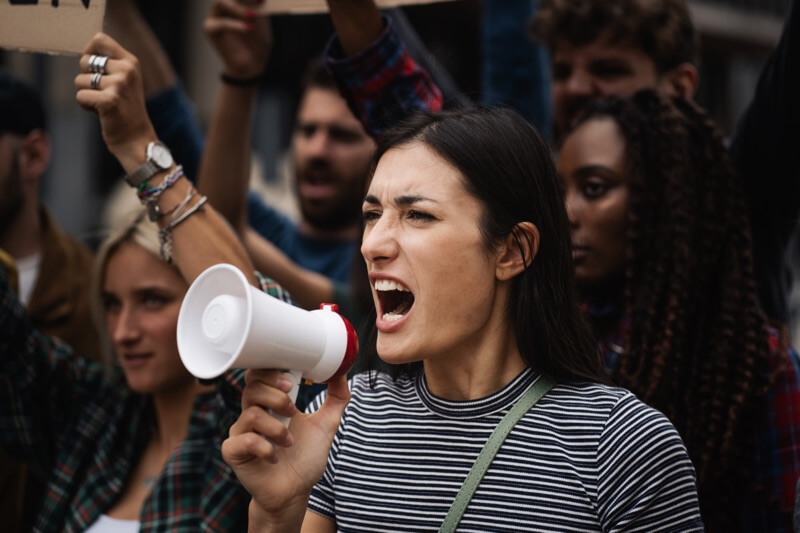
x,y
54,26
299,7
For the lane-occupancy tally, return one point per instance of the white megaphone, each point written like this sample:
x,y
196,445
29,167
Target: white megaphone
x,y
227,323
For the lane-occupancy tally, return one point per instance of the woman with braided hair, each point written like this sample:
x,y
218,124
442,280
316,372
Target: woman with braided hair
x,y
662,253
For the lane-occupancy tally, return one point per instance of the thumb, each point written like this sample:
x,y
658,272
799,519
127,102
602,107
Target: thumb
x,y
331,411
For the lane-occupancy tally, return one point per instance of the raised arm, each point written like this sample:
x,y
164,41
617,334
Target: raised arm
x,y
193,234
358,24
170,110
373,69
243,42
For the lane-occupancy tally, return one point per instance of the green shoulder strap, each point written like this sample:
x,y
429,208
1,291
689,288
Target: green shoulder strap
x,y
496,439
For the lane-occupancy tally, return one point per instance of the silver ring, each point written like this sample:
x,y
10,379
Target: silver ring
x,y
98,63
94,83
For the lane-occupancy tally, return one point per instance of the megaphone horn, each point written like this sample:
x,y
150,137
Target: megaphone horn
x,y
226,323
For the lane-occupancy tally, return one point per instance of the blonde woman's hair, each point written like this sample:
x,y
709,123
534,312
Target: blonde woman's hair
x,y
133,226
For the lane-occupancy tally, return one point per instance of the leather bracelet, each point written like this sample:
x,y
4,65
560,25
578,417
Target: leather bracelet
x,y
241,82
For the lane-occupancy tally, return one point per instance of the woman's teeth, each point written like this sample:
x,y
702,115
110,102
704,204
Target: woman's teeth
x,y
396,299
389,285
391,317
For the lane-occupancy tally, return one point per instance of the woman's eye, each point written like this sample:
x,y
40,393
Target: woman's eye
x,y
370,216
154,301
420,215
594,189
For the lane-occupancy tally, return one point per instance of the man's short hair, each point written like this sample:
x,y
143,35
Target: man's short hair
x,y
662,29
21,108
317,76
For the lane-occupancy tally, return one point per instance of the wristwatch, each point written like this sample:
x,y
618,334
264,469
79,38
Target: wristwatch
x,y
158,158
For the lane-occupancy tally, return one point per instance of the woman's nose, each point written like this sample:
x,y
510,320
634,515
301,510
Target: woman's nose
x,y
124,328
572,210
380,241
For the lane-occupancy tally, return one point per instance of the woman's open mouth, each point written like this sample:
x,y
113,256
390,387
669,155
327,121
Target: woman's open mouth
x,y
395,299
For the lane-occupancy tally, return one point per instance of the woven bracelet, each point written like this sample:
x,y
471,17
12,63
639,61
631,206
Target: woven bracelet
x,y
165,233
152,193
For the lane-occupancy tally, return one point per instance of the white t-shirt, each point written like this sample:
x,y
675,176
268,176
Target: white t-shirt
x,y
28,268
106,524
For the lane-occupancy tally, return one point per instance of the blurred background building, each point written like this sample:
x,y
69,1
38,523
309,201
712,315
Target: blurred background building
x,y
736,38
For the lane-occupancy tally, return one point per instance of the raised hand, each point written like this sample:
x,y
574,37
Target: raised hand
x,y
242,38
357,22
280,478
116,95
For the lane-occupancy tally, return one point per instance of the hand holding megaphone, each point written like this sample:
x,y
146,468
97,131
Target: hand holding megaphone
x,y
226,323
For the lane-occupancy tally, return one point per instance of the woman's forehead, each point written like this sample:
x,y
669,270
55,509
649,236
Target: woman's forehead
x,y
414,169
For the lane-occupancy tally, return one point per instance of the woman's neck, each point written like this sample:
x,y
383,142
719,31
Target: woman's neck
x,y
482,372
173,410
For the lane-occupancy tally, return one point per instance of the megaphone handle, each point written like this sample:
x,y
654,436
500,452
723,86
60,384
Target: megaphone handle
x,y
294,376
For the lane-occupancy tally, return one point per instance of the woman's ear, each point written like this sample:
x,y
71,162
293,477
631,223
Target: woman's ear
x,y
34,155
518,250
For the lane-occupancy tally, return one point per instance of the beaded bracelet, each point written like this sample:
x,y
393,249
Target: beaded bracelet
x,y
165,233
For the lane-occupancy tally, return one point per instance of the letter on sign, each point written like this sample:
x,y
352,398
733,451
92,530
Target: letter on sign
x,y
54,26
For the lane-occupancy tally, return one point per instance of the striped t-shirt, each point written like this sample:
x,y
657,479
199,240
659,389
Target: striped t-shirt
x,y
586,457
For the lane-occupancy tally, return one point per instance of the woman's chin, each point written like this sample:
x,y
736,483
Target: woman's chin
x,y
393,353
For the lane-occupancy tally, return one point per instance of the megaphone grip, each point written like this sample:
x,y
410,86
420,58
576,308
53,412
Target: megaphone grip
x,y
294,376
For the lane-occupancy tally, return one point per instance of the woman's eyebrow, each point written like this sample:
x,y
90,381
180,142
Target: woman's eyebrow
x,y
402,200
410,199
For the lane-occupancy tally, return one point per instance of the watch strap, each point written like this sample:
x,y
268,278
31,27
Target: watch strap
x,y
143,173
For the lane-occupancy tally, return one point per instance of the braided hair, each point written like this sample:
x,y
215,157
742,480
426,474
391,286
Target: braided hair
x,y
697,345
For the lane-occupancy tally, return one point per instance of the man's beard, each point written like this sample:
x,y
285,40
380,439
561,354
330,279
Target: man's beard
x,y
341,211
341,215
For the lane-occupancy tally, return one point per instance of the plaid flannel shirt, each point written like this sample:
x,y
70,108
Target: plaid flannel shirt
x,y
776,455
382,84
85,435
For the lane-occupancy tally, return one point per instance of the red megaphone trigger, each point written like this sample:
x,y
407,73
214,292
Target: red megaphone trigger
x,y
351,351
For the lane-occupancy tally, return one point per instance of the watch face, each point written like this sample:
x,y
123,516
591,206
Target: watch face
x,y
160,155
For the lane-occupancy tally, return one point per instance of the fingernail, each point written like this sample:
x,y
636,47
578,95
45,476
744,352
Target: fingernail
x,y
249,26
249,13
289,440
284,384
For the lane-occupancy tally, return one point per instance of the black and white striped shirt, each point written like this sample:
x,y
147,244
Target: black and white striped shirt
x,y
586,458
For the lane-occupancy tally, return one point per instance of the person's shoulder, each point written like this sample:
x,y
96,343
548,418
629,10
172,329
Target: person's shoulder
x,y
610,409
596,397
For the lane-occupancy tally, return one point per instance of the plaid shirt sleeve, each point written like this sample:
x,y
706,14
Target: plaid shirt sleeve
x,y
382,84
42,386
777,466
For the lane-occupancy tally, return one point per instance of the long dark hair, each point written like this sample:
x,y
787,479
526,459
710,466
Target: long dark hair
x,y
508,168
697,345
